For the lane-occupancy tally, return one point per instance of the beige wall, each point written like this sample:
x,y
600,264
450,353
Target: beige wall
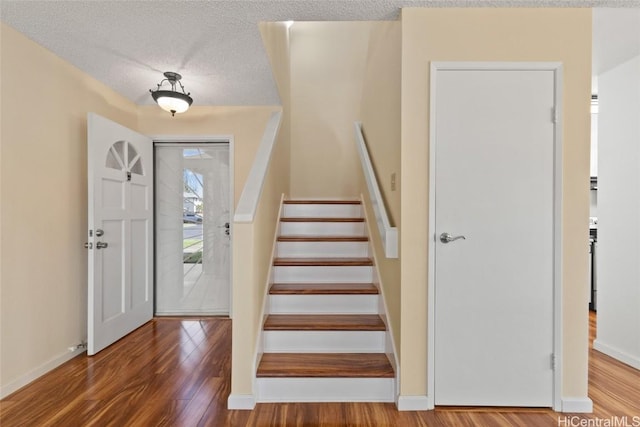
x,y
246,124
327,64
494,35
253,243
43,197
44,201
380,116
276,37
341,72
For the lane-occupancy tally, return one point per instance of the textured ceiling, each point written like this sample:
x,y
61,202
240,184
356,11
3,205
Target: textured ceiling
x,y
215,45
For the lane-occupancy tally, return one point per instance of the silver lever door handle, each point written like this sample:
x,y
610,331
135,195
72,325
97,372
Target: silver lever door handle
x,y
101,245
447,237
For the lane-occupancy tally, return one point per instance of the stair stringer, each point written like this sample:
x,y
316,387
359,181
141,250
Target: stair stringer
x,y
390,344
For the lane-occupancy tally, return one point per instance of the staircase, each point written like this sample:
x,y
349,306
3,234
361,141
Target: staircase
x,y
323,338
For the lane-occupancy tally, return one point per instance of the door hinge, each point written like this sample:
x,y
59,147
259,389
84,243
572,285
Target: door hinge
x,y
553,361
554,115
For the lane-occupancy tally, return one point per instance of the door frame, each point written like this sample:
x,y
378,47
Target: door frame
x,y
556,68
213,139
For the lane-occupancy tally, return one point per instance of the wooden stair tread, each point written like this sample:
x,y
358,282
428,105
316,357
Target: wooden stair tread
x,y
322,262
321,202
292,238
325,365
319,219
324,322
323,289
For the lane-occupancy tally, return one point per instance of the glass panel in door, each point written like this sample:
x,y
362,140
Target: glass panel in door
x,y
192,229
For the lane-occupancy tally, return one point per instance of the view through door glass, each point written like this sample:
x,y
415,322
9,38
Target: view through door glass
x,y
192,229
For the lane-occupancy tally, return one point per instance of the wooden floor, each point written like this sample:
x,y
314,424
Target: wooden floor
x,y
323,289
324,322
325,365
323,262
175,372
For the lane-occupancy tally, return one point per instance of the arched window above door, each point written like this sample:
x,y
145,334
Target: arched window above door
x,y
122,155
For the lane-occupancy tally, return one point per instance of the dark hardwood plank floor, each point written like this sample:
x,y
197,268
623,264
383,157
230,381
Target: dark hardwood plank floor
x,y
324,322
321,202
300,238
322,219
327,365
323,289
323,262
174,372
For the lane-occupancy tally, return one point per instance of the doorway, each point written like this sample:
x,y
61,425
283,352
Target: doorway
x,y
193,202
494,285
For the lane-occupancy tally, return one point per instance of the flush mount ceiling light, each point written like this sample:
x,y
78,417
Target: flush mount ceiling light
x,y
172,100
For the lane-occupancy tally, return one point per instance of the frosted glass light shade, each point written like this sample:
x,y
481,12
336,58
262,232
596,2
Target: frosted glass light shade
x,y
171,101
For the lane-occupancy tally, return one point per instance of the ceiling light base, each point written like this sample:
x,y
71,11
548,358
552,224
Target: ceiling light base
x,y
172,77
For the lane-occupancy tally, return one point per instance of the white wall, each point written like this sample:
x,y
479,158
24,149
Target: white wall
x,y
618,266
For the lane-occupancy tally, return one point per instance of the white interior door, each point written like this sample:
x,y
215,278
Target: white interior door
x,y
120,176
193,229
494,185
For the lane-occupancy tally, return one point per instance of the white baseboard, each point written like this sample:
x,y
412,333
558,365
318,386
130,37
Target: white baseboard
x,y
620,355
322,249
582,405
323,341
36,373
414,403
322,274
323,304
320,210
325,389
241,402
322,228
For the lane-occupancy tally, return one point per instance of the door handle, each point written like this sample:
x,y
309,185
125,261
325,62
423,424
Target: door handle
x,y
226,225
88,245
101,245
447,237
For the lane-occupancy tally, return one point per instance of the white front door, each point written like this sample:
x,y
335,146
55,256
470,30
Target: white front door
x,y
120,236
494,287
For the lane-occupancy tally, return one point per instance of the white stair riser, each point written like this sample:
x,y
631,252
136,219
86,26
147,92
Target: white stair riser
x,y
323,304
322,211
322,274
322,249
324,341
322,228
325,389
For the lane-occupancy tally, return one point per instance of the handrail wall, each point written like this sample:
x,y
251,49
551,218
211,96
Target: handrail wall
x,y
253,234
248,203
388,234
